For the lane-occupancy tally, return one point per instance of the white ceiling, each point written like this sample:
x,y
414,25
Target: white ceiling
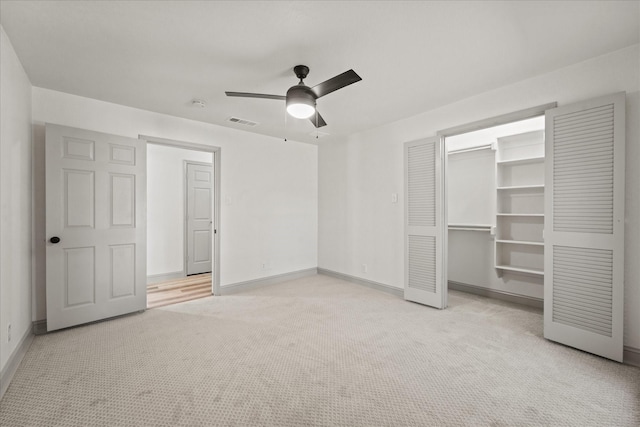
x,y
412,56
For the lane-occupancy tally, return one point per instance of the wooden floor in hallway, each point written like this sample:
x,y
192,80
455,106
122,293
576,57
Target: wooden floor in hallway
x,y
175,291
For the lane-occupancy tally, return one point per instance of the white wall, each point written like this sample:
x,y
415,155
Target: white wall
x,y
358,224
165,206
269,211
15,200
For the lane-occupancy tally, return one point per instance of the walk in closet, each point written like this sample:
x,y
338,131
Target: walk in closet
x,y
495,192
529,211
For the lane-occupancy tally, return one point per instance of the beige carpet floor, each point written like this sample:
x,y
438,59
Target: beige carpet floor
x,y
318,351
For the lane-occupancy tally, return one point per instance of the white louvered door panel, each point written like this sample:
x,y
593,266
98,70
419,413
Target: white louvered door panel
x,y
424,224
584,226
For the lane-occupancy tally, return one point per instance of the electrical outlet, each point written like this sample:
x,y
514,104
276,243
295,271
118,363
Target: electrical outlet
x,y
9,332
365,268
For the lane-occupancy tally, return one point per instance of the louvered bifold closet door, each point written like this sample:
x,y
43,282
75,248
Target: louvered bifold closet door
x,y
423,223
584,226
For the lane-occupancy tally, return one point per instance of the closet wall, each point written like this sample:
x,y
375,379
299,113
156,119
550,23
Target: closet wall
x,y
495,192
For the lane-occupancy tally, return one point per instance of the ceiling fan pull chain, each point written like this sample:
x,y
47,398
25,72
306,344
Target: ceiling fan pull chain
x,y
285,125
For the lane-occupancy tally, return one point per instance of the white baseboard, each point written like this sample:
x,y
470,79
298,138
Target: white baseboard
x,y
6,375
399,292
264,281
631,356
165,277
496,294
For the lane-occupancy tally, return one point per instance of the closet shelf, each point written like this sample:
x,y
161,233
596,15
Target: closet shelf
x,y
467,150
522,187
520,242
521,269
522,214
470,227
519,246
521,161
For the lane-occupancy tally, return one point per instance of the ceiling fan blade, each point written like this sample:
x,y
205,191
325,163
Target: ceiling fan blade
x,y
256,95
317,120
335,83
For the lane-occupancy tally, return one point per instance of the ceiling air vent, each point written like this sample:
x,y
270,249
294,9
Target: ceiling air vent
x,y
241,121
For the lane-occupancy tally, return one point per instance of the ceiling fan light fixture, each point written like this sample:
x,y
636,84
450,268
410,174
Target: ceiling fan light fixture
x,y
301,111
301,102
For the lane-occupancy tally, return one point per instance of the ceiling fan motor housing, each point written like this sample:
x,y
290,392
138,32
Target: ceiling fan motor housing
x,y
301,71
301,94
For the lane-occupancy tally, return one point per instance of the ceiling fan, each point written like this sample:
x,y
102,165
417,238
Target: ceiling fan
x,y
301,99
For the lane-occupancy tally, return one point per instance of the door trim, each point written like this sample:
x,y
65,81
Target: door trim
x,y
217,154
443,134
503,119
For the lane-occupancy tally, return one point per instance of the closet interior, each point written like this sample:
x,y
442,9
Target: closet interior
x,y
495,210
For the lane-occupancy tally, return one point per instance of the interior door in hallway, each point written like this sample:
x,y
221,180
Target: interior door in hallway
x,y
95,226
199,217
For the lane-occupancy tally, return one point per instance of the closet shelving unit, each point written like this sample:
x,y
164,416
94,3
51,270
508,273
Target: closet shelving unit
x,y
519,245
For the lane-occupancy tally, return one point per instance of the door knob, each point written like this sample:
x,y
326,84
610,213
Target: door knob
x,y
54,239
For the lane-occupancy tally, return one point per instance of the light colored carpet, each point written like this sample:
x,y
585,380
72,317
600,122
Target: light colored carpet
x,y
318,351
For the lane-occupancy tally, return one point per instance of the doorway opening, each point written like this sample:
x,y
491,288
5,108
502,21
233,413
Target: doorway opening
x,y
176,291
495,211
182,221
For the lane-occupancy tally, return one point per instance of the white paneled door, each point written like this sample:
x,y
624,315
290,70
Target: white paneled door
x,y
199,218
95,226
424,243
584,226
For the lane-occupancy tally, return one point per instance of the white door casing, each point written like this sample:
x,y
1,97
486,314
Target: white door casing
x,y
217,162
584,225
424,224
199,188
96,206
